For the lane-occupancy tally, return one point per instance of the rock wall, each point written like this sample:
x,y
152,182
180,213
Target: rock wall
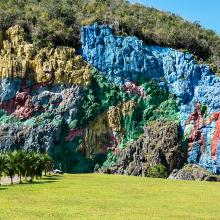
x,y
52,100
197,90
20,59
160,144
193,172
92,110
41,95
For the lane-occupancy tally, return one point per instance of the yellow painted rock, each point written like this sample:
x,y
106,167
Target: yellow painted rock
x,y
19,58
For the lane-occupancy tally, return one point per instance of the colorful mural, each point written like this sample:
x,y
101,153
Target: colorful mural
x,y
83,109
21,106
197,120
124,60
216,136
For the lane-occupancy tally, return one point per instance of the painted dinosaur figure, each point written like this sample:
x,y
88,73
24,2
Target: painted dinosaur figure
x,y
197,119
216,135
21,105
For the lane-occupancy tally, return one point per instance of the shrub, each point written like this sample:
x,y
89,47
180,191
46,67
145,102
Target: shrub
x,y
157,171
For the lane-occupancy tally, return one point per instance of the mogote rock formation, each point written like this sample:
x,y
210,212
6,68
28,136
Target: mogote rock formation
x,y
195,87
120,105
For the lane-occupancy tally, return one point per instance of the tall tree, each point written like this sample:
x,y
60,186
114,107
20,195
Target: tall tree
x,y
12,164
20,163
47,163
3,165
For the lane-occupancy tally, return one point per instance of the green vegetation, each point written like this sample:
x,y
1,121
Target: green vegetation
x,y
58,22
157,171
111,197
24,164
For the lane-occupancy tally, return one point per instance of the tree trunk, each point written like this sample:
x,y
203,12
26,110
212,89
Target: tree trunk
x,y
32,179
20,178
11,180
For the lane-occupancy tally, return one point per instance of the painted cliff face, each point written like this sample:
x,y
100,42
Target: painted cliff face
x,y
21,105
126,61
54,100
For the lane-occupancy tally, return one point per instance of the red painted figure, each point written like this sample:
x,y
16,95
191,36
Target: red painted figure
x,y
216,136
24,108
77,132
196,134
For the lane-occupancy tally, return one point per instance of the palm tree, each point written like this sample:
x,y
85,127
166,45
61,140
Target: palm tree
x,y
20,163
11,168
3,165
23,163
39,165
34,165
47,163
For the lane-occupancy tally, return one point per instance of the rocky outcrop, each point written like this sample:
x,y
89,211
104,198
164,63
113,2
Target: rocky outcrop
x,y
193,172
161,144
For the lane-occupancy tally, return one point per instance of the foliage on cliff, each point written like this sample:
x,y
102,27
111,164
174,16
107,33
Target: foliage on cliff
x,y
57,22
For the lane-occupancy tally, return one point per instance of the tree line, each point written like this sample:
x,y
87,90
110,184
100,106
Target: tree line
x,y
24,164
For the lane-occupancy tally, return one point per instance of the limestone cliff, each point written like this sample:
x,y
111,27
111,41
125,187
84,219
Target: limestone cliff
x,y
160,144
93,110
20,59
196,88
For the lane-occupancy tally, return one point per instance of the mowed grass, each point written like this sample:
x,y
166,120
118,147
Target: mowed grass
x,y
94,196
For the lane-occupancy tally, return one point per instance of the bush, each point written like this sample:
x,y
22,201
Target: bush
x,y
157,171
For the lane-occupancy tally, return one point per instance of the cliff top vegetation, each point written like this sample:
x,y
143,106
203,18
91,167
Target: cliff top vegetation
x,y
57,22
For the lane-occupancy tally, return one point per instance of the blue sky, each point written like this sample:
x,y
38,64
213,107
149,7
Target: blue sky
x,y
207,12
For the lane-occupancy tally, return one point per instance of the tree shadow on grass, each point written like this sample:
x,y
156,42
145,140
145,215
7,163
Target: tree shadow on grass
x,y
52,177
48,179
42,182
3,188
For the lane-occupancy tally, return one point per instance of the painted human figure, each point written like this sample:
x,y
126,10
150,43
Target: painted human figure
x,y
196,134
216,135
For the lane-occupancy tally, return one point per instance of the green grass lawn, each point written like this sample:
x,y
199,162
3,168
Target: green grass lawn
x,y
93,196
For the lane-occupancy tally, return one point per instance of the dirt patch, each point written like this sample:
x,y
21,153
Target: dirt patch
x,y
7,180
